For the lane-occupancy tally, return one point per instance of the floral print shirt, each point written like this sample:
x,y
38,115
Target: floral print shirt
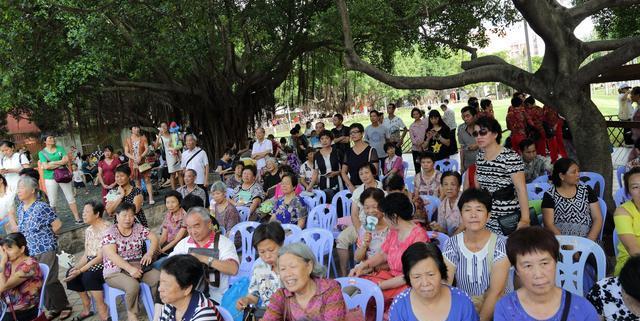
x,y
289,213
173,222
25,295
327,304
35,224
264,282
127,247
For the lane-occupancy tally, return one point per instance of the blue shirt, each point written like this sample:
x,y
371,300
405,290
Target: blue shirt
x,y
461,307
35,224
509,308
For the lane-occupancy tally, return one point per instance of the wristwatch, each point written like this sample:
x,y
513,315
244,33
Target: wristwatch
x,y
209,261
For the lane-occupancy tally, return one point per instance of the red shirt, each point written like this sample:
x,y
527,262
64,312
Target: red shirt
x,y
516,121
535,116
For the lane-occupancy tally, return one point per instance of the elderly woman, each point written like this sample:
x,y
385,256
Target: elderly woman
x,y
271,175
190,186
627,220
53,157
289,208
618,298
225,213
11,163
179,277
476,258
398,212
86,275
39,224
500,171
136,149
107,171
448,221
534,252
127,194
424,269
235,180
173,228
267,240
20,279
305,295
125,265
249,193
571,208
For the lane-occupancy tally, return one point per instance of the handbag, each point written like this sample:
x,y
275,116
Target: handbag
x,y
61,174
40,317
144,167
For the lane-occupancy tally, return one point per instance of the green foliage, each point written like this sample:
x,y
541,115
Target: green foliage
x,y
618,22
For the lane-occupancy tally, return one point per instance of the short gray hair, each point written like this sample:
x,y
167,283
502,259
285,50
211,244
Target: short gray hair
x,y
192,136
200,211
30,182
303,251
218,186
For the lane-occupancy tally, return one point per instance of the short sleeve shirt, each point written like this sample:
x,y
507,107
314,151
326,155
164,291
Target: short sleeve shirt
x,y
377,137
462,308
173,222
377,238
35,224
246,196
509,308
395,126
355,161
128,247
264,282
198,163
606,297
572,216
394,248
58,155
342,132
25,295
259,148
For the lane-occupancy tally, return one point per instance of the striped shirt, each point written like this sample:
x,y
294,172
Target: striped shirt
x,y
200,309
495,175
472,270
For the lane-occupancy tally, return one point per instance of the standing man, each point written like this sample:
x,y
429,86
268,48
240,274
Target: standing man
x,y
468,145
202,236
195,158
377,135
261,149
449,118
625,110
397,129
340,133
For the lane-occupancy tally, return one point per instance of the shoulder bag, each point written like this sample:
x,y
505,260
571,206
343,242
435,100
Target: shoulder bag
x,y
61,174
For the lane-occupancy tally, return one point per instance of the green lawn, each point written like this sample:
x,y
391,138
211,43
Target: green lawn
x,y
606,103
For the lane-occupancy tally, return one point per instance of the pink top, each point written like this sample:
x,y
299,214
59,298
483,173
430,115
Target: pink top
x,y
327,304
278,192
127,247
418,131
173,222
394,248
394,163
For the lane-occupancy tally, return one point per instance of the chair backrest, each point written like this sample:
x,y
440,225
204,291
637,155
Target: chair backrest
x,y
408,181
405,166
595,180
535,191
366,291
243,212
431,205
226,315
292,232
248,253
344,198
229,192
446,165
603,211
320,196
320,241
309,202
45,273
570,274
620,175
322,216
616,241
541,179
620,197
441,238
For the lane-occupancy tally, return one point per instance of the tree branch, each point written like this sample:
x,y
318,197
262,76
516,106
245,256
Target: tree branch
x,y
618,57
158,87
607,45
456,45
591,7
482,69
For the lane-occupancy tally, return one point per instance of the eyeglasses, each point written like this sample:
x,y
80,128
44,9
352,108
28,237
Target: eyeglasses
x,y
354,132
481,132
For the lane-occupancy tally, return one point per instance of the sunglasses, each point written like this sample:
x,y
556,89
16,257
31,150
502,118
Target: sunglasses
x,y
481,132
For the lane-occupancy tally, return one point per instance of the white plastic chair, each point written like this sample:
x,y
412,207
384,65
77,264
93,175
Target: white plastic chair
x,y
570,274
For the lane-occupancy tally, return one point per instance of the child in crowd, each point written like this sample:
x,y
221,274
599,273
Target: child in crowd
x,y
78,180
307,168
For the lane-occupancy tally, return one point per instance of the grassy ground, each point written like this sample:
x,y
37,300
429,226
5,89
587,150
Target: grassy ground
x,y
606,103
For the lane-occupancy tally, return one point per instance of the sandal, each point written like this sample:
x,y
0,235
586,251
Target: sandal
x,y
80,317
65,314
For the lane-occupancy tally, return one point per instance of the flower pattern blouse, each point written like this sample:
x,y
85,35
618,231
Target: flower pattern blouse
x,y
428,186
289,213
327,304
93,239
449,215
127,247
264,282
173,222
35,224
25,295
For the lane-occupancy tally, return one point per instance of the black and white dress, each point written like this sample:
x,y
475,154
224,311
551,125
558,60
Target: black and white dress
x,y
495,175
606,297
572,216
